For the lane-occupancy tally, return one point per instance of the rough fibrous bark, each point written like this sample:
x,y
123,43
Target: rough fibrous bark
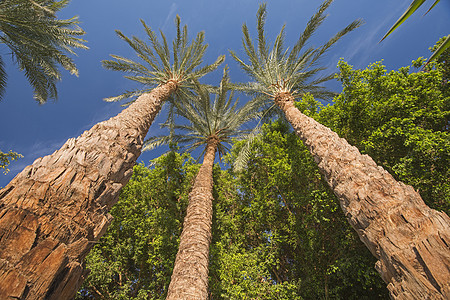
x,y
55,209
190,273
409,239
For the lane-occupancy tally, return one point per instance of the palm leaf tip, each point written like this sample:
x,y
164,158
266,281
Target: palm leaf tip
x,y
444,46
411,9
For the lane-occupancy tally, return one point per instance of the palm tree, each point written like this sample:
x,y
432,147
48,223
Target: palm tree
x,y
409,239
38,42
53,212
211,127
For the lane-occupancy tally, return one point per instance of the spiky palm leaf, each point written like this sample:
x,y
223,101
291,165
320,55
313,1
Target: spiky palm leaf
x,y
221,119
160,65
39,42
279,70
411,9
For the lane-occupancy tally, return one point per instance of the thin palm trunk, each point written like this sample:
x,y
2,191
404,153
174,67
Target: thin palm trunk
x,y
409,239
54,210
190,273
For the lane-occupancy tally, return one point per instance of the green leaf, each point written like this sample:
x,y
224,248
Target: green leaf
x,y
434,4
411,9
440,50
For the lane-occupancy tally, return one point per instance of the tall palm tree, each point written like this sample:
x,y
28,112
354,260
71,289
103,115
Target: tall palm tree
x,y
211,127
409,239
52,212
39,43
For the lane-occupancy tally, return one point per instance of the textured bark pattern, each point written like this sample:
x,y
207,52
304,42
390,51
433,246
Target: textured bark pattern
x,y
409,239
190,273
54,210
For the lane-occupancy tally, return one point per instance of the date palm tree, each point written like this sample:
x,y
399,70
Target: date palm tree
x,y
52,212
211,127
39,43
409,239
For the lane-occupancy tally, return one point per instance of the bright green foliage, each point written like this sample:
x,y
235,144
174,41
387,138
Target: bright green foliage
x,y
443,60
39,43
401,120
160,64
134,259
6,159
280,233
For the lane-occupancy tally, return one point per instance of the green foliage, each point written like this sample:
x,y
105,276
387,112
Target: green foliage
x,y
134,259
159,66
280,233
39,43
7,158
401,120
443,60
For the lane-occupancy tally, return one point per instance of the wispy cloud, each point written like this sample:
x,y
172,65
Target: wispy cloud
x,y
364,45
170,15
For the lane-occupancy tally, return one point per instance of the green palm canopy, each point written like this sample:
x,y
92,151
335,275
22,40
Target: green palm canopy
x,y
280,70
158,65
39,43
221,120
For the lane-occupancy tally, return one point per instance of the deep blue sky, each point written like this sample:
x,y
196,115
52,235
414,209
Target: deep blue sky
x,y
37,130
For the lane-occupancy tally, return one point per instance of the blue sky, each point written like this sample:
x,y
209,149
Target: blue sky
x,y
38,130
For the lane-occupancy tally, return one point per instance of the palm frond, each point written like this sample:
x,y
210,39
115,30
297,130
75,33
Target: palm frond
x,y
3,76
243,155
219,117
432,6
40,42
411,9
159,64
281,70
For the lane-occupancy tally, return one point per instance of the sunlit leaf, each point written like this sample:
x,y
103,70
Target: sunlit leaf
x,y
411,9
441,49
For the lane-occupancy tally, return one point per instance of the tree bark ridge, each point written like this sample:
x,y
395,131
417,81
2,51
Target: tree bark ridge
x,y
55,209
409,239
190,274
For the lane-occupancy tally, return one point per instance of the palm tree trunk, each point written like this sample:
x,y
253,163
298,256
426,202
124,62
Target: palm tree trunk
x,y
409,239
190,273
54,210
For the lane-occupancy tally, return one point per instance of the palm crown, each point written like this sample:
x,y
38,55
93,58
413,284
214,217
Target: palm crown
x,y
279,70
220,120
159,66
38,42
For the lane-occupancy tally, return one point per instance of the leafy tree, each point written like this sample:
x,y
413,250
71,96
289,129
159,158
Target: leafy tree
x,y
280,233
39,43
7,158
377,206
211,126
58,207
134,260
401,120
